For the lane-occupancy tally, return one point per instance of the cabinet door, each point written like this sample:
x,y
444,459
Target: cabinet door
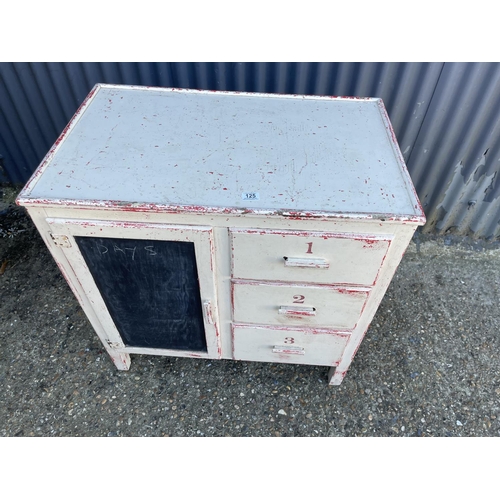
x,y
151,286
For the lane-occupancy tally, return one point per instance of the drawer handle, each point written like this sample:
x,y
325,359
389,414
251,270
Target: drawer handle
x,y
282,349
297,311
306,262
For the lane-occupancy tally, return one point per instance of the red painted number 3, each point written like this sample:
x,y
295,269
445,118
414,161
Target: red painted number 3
x,y
289,340
298,299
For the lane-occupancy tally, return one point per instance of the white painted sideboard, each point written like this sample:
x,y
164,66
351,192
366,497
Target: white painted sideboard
x,y
224,225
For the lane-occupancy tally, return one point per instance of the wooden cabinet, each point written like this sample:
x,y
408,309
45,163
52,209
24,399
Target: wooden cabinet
x,y
225,225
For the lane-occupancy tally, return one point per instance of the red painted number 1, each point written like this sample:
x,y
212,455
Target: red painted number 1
x,y
309,248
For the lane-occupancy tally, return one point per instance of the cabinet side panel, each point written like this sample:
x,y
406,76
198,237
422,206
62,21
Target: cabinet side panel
x,y
403,235
39,217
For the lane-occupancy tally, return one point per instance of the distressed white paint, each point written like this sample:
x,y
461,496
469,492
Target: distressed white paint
x,y
266,344
351,258
202,238
334,307
206,149
208,181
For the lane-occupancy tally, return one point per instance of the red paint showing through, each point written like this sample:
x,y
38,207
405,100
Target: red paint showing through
x,y
51,151
212,254
346,291
299,314
370,243
371,240
217,336
175,209
306,329
421,219
68,126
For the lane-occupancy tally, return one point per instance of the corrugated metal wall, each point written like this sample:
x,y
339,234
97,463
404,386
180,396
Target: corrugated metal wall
x,y
456,157
445,115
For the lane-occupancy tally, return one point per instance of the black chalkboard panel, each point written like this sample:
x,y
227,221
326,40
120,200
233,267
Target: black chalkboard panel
x,y
151,290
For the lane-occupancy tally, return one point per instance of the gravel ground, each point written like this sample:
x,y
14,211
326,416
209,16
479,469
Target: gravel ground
x,y
429,365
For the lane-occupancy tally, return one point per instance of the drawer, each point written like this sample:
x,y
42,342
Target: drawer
x,y
292,305
307,256
288,346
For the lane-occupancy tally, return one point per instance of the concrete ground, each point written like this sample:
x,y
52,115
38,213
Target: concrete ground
x,y
429,365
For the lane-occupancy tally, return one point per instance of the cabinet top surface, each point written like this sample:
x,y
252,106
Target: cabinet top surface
x,y
227,152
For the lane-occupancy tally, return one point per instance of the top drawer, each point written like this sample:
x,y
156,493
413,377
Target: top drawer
x,y
307,256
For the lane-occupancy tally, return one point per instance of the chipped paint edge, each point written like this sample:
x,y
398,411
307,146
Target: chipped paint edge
x,y
338,287
28,188
419,211
366,237
237,93
120,206
312,330
24,198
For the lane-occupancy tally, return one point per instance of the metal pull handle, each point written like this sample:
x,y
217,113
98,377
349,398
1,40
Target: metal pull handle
x,y
306,262
282,349
207,312
297,311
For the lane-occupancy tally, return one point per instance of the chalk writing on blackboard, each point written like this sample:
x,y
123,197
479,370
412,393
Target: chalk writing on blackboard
x,y
130,251
151,290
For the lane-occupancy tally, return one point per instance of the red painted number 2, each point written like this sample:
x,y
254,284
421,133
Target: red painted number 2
x,y
309,247
298,299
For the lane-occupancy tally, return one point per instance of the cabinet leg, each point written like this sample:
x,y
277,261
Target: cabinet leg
x,y
120,359
335,376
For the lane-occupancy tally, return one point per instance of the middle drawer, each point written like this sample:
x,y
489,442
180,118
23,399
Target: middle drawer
x,y
285,304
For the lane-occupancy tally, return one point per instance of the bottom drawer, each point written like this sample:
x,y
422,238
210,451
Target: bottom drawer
x,y
303,347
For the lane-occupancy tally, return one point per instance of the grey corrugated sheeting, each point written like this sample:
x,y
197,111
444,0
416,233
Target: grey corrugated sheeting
x,y
443,114
455,160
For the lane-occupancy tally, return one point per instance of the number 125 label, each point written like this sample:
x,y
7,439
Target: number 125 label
x,y
250,196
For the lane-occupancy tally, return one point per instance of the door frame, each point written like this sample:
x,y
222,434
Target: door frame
x,y
63,232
